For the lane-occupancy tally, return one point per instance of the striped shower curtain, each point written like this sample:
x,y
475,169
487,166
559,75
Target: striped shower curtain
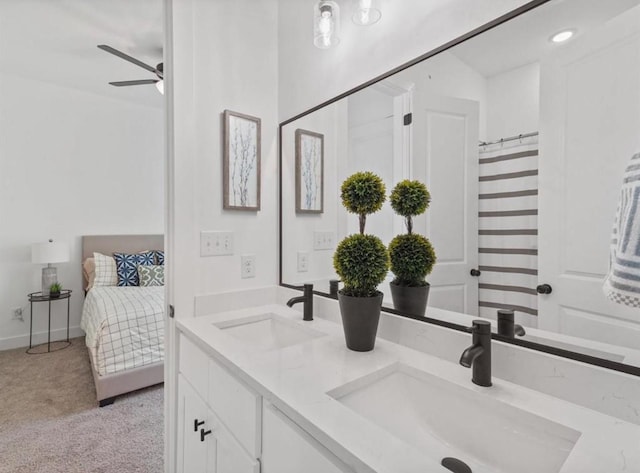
x,y
508,229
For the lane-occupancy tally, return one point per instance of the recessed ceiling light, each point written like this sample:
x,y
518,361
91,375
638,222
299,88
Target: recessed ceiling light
x,y
562,36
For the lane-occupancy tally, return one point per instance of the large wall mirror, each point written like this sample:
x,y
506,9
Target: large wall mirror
x,y
523,141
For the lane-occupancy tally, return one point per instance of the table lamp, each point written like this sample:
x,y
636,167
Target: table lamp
x,y
49,253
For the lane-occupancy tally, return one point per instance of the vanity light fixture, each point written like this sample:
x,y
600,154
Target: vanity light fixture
x,y
326,24
366,12
562,36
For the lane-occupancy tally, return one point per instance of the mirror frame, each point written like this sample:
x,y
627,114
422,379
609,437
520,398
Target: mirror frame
x,y
592,360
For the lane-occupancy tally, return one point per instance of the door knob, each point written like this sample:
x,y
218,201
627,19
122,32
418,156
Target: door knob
x,y
475,272
196,424
544,289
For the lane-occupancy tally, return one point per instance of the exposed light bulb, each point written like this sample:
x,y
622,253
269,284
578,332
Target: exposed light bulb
x,y
366,14
160,86
562,36
326,24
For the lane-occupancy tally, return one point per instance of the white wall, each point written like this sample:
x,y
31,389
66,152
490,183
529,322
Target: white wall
x,y
513,102
71,163
309,76
225,57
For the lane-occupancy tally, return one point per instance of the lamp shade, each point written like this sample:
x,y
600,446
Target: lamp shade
x,y
49,252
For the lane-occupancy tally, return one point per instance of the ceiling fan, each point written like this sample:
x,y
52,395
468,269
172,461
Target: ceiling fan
x,y
158,70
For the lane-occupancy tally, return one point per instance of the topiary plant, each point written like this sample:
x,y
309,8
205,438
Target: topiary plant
x,y
362,262
412,259
408,199
363,193
412,256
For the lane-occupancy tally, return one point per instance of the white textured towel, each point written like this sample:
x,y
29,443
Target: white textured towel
x,y
622,284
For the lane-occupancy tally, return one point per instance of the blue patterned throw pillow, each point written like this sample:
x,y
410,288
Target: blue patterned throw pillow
x,y
127,266
159,257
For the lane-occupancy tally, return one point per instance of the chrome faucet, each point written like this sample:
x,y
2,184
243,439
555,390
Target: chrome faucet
x,y
307,299
479,353
506,325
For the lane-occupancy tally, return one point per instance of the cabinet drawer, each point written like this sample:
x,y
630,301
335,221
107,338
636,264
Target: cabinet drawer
x,y
194,366
237,406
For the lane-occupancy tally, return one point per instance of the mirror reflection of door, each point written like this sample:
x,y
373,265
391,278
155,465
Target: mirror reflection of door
x,y
590,128
445,157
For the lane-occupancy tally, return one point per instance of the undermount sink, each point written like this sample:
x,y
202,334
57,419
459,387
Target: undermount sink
x,y
268,331
443,419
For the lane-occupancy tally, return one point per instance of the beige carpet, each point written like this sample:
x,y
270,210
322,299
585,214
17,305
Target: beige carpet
x,y
50,422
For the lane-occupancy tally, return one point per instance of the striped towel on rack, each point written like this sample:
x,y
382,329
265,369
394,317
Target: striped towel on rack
x,y
508,229
622,284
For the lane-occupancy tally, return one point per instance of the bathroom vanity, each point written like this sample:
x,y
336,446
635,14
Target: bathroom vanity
x,y
261,390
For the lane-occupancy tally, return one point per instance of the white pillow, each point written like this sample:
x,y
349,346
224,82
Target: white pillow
x,y
89,272
106,272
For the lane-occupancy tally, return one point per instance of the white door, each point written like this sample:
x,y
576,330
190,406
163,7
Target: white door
x,y
590,128
445,157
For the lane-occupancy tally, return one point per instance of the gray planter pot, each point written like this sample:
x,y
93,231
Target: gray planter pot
x,y
360,317
410,300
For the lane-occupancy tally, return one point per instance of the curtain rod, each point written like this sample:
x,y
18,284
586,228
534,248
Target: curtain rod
x,y
510,138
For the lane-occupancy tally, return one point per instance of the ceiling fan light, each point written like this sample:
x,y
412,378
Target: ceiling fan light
x,y
160,86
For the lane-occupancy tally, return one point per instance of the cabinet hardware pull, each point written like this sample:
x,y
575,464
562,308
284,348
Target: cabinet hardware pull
x,y
197,424
475,272
203,434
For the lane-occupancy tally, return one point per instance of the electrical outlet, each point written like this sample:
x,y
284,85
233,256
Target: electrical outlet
x,y
303,261
216,243
17,314
248,266
323,240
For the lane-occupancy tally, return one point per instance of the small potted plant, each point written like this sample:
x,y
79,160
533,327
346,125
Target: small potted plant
x,y
54,290
412,255
362,262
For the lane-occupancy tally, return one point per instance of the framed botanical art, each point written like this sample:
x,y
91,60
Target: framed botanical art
x,y
241,162
309,172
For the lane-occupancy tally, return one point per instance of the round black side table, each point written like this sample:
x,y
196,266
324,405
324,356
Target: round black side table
x,y
39,297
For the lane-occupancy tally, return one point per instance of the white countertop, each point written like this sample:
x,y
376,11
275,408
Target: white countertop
x,y
296,380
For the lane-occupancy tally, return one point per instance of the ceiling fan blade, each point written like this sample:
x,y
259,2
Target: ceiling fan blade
x,y
125,83
126,57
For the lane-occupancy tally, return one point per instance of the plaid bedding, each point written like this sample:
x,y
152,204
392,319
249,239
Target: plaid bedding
x,y
124,327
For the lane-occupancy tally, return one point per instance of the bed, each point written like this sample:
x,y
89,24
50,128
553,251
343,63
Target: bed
x,y
124,326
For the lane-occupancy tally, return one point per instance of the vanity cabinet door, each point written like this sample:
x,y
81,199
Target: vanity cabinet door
x,y
195,454
230,457
286,448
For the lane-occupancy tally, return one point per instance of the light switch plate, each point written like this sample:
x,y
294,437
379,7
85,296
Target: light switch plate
x,y
303,261
216,243
323,240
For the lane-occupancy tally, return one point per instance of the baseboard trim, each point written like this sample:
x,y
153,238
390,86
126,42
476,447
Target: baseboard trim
x,y
22,341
